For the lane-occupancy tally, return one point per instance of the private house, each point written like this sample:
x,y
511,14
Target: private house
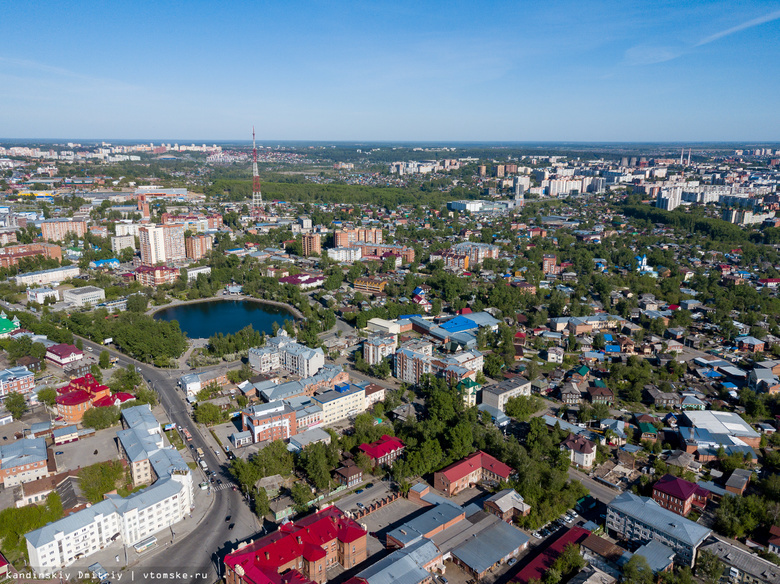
x,y
582,452
383,451
507,504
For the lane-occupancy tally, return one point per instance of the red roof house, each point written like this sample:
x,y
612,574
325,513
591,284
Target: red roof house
x,y
301,552
539,566
383,451
469,471
679,495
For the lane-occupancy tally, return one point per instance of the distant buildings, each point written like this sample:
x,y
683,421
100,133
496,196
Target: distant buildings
x,y
45,277
153,276
197,246
58,229
477,252
162,244
84,296
10,256
311,244
349,237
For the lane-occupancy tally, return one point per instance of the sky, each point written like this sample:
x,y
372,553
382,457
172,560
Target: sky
x,y
548,70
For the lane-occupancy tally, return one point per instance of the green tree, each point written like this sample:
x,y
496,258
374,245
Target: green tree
x,y
301,494
16,405
100,418
262,505
522,407
48,395
137,303
709,567
208,414
637,571
105,360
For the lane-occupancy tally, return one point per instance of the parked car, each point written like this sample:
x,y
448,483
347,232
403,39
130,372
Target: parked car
x,y
59,452
511,562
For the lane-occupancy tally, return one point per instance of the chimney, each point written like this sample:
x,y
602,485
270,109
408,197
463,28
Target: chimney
x,y
267,555
299,539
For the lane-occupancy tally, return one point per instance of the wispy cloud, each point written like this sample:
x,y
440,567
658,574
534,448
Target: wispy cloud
x,y
651,54
740,27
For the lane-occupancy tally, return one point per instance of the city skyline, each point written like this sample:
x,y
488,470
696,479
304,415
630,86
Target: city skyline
x,y
558,72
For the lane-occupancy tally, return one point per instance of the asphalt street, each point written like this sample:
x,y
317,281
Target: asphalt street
x,y
201,550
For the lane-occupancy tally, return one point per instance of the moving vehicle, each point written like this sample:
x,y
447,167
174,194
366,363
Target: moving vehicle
x,y
200,452
203,465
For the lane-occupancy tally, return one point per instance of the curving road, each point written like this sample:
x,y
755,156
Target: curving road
x,y
201,550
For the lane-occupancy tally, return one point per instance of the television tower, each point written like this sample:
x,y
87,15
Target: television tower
x,y
257,196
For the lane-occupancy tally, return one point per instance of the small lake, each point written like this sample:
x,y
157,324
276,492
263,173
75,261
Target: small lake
x,y
200,320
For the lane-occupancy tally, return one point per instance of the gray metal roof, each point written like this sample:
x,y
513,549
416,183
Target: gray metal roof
x,y
743,560
480,551
647,511
24,451
425,523
404,566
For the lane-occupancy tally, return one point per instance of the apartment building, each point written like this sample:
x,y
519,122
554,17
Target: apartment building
x,y
271,421
155,275
23,461
370,284
10,256
302,551
283,352
45,277
453,260
379,249
311,244
348,237
58,229
497,395
741,566
410,365
120,242
477,252
141,443
345,254
144,513
378,348
162,244
344,401
192,383
641,519
16,380
84,296
40,295
197,246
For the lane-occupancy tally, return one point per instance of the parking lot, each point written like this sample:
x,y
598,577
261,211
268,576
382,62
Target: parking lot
x,y
98,448
352,503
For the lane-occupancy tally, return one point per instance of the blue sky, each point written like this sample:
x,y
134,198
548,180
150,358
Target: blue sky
x,y
396,70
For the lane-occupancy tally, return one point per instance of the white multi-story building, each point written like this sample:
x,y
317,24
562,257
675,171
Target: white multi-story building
x,y
45,277
40,295
283,352
135,518
131,229
193,273
120,242
23,461
497,395
669,198
84,296
343,402
378,348
345,254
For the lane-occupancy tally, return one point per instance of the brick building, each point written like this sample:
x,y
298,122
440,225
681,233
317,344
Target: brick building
x,y
197,246
10,256
311,244
383,451
476,467
679,495
300,551
58,229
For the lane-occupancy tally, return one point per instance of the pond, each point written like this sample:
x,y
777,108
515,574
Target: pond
x,y
200,320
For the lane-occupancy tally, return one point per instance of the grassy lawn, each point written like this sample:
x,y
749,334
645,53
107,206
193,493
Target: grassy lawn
x,y
175,439
193,465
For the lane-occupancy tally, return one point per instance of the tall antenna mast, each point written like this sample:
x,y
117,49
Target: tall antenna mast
x,y
257,196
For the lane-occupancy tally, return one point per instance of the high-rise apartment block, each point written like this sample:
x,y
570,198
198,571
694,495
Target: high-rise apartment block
x,y
348,237
161,244
57,229
120,242
311,244
198,246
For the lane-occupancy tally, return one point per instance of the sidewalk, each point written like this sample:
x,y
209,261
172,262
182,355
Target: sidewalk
x,y
107,556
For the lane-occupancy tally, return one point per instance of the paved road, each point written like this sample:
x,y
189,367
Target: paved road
x,y
198,551
598,490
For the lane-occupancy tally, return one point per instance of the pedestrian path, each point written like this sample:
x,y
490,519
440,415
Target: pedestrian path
x,y
223,486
